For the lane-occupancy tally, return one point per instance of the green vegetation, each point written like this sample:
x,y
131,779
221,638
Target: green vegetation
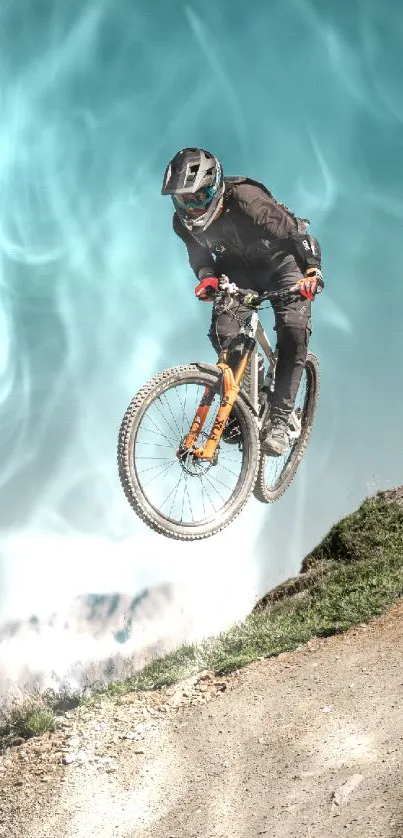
x,y
26,718
34,714
352,576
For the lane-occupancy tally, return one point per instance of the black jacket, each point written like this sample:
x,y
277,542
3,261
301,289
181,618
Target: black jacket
x,y
254,239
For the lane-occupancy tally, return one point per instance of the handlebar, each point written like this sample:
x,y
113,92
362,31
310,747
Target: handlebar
x,y
252,298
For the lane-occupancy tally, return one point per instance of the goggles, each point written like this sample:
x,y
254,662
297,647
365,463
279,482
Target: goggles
x,y
195,200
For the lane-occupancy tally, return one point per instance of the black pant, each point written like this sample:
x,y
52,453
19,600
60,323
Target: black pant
x,y
293,328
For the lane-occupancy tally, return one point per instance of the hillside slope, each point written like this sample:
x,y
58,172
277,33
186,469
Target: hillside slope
x,y
307,742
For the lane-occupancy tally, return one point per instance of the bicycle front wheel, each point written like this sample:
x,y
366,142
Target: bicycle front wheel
x,y
183,497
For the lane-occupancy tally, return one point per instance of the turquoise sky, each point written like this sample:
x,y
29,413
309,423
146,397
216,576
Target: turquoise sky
x,y
96,295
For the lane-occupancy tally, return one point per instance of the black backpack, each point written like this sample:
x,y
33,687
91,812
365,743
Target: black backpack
x,y
301,222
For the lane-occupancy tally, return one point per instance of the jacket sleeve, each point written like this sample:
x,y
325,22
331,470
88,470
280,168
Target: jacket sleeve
x,y
200,258
278,226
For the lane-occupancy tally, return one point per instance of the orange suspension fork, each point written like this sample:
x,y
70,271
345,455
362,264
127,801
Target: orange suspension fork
x,y
231,384
202,411
200,418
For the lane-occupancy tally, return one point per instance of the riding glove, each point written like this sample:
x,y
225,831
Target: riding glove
x,y
311,284
204,290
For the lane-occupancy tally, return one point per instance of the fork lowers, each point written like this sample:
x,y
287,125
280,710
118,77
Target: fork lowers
x,y
231,384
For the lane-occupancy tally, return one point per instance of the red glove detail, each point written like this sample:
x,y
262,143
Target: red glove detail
x,y
205,288
308,285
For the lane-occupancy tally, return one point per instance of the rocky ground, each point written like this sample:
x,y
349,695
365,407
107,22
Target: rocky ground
x,y
306,744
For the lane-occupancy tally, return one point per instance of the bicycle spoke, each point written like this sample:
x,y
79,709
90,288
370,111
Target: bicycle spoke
x,y
229,470
184,414
183,406
165,469
166,420
212,484
180,432
173,491
154,444
202,492
190,503
217,480
157,431
205,488
183,504
153,458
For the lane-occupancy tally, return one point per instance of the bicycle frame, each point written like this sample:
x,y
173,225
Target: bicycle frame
x,y
231,382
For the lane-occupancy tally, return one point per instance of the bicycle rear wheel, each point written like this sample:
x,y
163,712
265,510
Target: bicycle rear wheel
x,y
276,473
184,498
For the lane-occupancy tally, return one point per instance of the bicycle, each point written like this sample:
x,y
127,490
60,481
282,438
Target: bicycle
x,y
187,435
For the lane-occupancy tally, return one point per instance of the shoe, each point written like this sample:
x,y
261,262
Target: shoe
x,y
277,440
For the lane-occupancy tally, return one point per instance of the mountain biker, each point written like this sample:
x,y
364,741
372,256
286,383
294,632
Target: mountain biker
x,y
235,226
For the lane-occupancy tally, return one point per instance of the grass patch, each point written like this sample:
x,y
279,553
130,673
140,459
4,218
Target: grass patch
x,y
33,714
26,718
374,529
352,576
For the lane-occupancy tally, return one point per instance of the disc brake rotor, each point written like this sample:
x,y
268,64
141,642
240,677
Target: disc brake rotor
x,y
192,465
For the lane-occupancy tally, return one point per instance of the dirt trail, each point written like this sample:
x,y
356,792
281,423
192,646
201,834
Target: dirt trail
x,y
306,744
